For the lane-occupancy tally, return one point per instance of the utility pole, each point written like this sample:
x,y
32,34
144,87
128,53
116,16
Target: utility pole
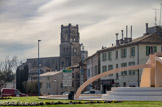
x,y
38,70
156,16
160,15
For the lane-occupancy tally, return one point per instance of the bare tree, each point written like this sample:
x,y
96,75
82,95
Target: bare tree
x,y
6,69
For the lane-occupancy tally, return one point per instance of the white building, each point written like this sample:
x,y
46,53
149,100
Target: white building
x,y
129,52
93,69
52,83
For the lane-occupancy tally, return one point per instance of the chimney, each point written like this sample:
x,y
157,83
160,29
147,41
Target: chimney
x,y
121,40
126,31
117,41
146,28
126,38
130,39
122,33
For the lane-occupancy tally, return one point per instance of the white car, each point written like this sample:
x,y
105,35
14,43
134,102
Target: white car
x,y
65,93
92,92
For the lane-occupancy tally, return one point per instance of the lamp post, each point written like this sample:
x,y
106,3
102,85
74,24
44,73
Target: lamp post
x,y
38,70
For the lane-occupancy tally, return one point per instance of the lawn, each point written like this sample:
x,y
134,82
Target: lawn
x,y
121,104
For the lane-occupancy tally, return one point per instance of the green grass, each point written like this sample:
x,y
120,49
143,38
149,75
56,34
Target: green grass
x,y
122,104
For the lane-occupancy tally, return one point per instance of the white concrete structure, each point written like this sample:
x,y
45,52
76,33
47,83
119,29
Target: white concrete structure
x,y
134,94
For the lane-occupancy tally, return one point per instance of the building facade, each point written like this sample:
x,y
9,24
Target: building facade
x,y
128,52
70,53
93,68
70,46
52,83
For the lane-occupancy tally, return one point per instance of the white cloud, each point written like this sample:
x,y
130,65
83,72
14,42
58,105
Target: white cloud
x,y
27,21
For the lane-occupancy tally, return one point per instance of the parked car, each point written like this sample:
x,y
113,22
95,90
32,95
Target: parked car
x,y
65,93
92,92
11,92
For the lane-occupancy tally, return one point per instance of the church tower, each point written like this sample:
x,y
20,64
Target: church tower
x,y
70,47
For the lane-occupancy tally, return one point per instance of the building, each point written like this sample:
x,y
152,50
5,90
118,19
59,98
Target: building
x,y
70,46
52,83
84,53
93,68
129,52
70,55
33,74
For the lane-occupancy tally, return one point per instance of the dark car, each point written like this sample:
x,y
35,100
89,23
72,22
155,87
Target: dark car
x,y
5,92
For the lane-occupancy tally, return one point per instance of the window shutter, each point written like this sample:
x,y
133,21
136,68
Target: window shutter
x,y
121,53
155,49
147,50
133,51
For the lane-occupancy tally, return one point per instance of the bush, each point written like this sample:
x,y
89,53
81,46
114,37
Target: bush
x,y
51,103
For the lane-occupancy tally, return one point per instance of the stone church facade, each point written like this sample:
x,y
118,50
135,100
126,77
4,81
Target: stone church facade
x,y
70,47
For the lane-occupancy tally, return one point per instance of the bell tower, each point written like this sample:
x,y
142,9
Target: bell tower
x,y
70,47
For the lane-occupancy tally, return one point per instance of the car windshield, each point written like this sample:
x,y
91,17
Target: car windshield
x,y
89,92
86,92
17,92
92,92
65,93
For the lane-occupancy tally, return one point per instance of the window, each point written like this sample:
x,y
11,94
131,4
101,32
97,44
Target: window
x,y
131,63
104,56
96,71
116,65
151,50
48,85
124,72
116,54
110,67
62,85
123,53
104,68
132,51
88,72
47,77
131,72
109,56
117,76
123,64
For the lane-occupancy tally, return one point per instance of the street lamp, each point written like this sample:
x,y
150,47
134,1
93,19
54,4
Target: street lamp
x,y
38,70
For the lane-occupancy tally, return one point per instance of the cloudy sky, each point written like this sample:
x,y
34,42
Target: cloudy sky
x,y
23,22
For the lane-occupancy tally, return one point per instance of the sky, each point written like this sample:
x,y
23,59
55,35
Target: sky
x,y
24,22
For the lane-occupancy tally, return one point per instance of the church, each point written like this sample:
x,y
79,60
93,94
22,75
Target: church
x,y
70,54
